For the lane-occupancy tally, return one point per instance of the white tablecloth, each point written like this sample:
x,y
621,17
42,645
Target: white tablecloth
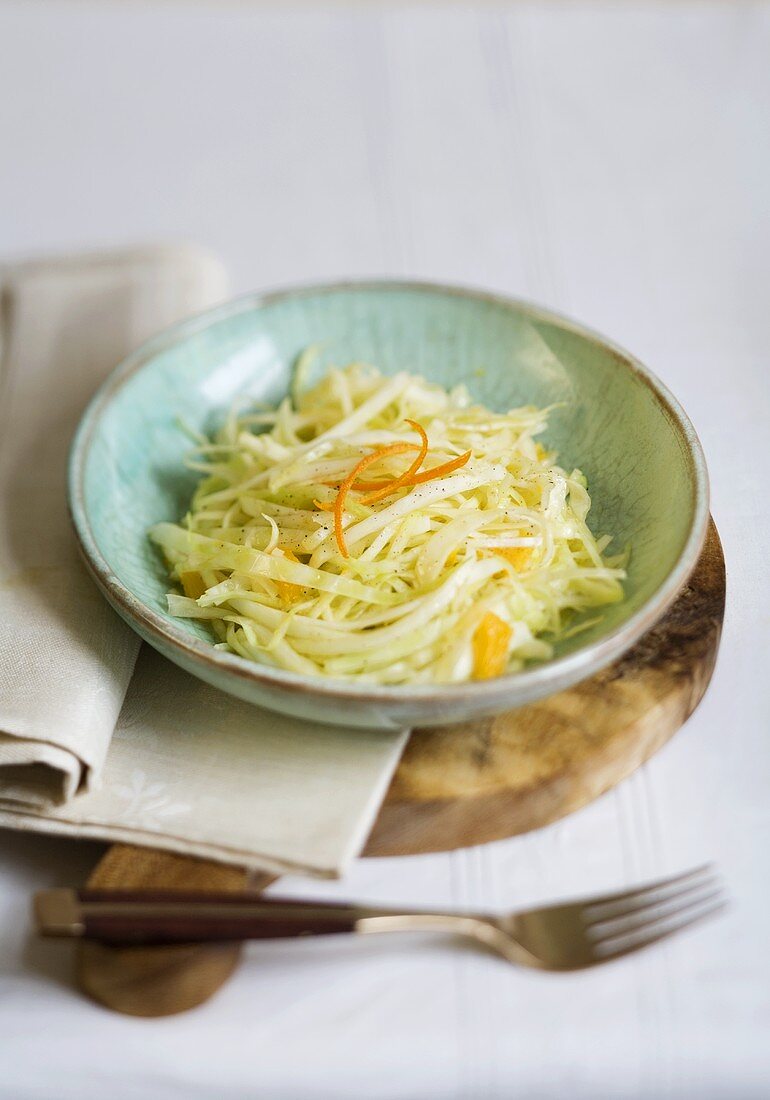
x,y
611,161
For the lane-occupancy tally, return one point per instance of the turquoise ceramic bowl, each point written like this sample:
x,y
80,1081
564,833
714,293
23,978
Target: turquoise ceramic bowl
x,y
644,465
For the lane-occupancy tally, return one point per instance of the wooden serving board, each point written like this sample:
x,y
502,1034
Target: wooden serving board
x,y
456,786
481,781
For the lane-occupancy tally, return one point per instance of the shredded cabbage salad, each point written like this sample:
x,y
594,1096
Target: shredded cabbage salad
x,y
384,530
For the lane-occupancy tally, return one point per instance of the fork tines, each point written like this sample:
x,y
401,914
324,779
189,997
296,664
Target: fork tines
x,y
637,918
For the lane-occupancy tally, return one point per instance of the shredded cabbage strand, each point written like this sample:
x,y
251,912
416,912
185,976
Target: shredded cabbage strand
x,y
462,561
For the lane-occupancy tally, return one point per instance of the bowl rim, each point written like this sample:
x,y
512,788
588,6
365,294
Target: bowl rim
x,y
529,683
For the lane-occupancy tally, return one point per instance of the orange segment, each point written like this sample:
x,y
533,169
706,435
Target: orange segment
x,y
518,556
490,647
192,584
288,591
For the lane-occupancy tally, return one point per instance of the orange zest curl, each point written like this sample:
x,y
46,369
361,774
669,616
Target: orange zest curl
x,y
403,479
440,471
378,490
347,485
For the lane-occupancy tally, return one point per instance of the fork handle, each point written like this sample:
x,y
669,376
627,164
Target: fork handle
x,y
146,917
163,917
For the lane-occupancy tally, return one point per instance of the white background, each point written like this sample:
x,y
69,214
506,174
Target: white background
x,y
610,161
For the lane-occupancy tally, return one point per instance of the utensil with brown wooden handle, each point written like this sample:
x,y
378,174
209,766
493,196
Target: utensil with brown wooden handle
x,y
567,936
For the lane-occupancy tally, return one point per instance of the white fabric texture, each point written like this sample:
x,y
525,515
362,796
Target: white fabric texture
x,y
609,160
188,768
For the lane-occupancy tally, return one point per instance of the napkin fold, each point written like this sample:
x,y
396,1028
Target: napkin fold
x,y
192,770
173,763
65,657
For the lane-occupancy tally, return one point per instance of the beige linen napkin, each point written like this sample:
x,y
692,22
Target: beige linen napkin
x,y
65,657
194,771
188,768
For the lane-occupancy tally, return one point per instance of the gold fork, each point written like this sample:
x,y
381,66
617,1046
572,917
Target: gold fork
x,y
567,936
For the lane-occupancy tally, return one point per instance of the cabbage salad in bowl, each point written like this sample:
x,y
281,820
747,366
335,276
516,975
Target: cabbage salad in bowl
x,y
384,530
